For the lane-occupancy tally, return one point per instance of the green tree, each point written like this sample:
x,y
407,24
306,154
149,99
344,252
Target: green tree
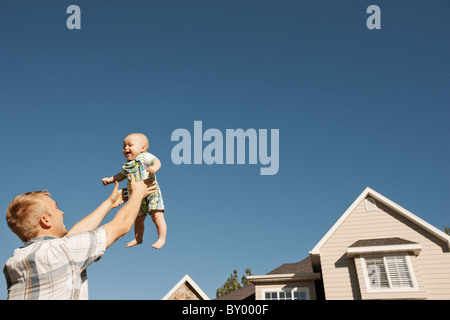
x,y
447,230
232,283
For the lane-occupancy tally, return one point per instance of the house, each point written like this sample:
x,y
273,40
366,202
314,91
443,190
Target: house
x,y
376,250
186,289
288,281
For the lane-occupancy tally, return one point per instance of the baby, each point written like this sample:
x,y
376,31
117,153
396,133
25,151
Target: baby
x,y
142,165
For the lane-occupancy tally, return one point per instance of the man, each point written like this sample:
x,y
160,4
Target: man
x,y
53,262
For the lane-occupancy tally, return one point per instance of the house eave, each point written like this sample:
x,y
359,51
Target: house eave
x,y
414,248
288,277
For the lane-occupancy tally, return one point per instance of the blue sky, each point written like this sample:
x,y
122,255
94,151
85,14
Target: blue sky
x,y
354,107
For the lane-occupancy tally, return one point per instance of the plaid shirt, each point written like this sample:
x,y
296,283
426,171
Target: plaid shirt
x,y
50,268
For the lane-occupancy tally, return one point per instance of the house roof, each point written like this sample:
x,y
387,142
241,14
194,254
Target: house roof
x,y
384,245
188,280
381,242
303,267
368,192
244,293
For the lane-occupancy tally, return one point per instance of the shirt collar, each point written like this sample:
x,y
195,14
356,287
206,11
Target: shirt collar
x,y
38,239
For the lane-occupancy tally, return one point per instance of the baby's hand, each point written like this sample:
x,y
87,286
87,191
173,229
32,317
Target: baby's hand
x,y
151,170
107,181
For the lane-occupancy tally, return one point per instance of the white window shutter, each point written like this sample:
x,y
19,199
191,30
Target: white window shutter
x,y
398,272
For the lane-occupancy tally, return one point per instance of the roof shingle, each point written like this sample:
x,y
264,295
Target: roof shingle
x,y
248,292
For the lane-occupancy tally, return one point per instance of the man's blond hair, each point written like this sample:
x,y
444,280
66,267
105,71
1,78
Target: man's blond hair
x,y
24,212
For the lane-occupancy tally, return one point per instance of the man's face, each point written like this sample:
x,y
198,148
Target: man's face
x,y
56,217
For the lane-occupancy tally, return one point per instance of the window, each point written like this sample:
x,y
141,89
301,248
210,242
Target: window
x,y
287,294
389,273
371,204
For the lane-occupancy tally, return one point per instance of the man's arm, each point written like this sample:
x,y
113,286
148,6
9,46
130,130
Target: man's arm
x,y
92,221
125,217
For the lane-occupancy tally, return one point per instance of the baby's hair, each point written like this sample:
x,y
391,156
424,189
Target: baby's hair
x,y
142,137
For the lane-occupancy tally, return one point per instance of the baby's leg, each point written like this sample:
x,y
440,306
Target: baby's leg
x,y
161,227
138,231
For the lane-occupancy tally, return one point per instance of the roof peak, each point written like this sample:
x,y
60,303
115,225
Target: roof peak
x,y
377,196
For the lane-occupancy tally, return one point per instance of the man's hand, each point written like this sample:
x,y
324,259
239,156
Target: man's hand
x,y
126,216
118,196
142,188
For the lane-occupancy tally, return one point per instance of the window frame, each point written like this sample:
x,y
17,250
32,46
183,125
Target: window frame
x,y
369,287
285,289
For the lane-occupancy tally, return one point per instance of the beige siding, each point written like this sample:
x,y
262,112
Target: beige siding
x,y
340,276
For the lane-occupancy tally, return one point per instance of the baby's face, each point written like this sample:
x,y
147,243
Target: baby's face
x,y
132,147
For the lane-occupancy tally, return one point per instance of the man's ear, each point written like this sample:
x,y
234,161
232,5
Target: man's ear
x,y
45,222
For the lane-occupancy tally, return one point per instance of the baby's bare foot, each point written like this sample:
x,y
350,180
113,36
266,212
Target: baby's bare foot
x,y
133,243
159,244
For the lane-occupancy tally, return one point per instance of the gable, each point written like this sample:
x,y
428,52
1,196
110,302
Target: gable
x,y
186,289
383,222
382,216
